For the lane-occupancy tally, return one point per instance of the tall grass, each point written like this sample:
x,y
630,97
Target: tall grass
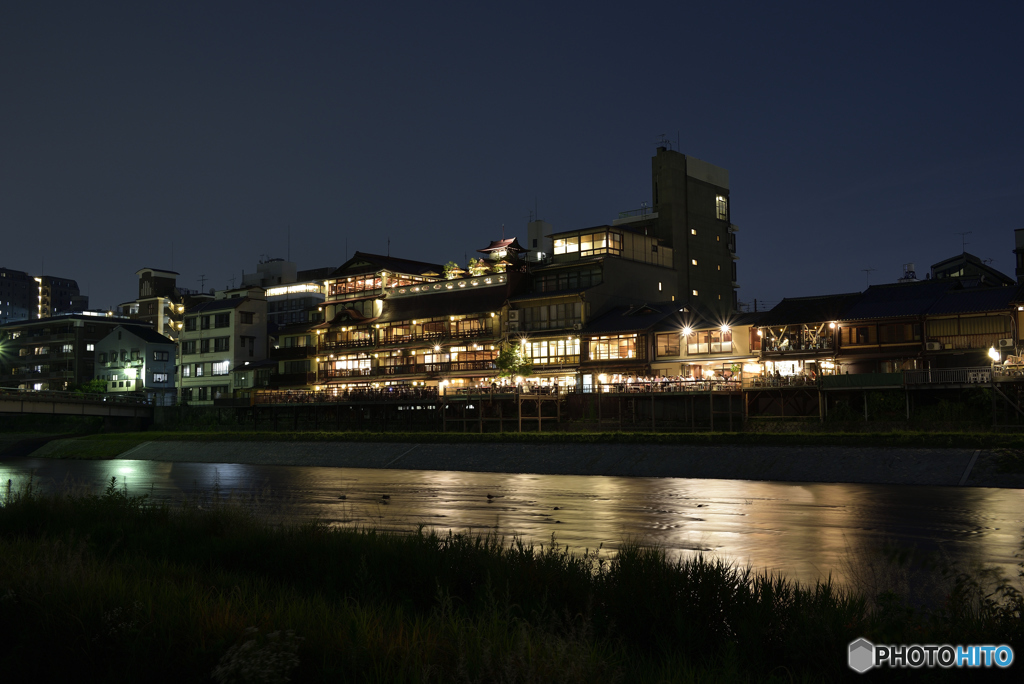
x,y
125,589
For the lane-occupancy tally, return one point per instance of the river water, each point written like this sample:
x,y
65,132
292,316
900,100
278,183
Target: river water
x,y
804,530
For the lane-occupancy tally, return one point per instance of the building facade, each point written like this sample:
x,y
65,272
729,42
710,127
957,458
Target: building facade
x,y
56,353
135,359
217,337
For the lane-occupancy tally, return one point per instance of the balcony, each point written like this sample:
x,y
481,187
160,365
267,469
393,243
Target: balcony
x,y
347,344
344,373
437,368
424,336
288,353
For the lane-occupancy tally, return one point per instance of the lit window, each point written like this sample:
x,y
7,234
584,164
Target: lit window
x,y
90,347
693,231
693,261
694,293
659,287
722,208
221,367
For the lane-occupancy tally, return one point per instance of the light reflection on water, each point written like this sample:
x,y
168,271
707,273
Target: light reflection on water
x,y
804,530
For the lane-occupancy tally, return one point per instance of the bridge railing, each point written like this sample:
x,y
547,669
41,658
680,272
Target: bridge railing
x,y
73,397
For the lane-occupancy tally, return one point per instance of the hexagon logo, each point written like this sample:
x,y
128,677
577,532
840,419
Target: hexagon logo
x,y
861,655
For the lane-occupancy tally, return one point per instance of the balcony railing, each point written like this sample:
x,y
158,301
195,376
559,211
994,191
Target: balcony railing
x,y
344,373
266,397
346,344
413,337
949,376
441,367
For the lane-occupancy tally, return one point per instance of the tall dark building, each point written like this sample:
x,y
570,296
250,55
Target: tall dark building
x,y
690,213
24,297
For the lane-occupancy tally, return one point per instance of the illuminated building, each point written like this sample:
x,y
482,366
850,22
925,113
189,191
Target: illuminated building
x,y
135,359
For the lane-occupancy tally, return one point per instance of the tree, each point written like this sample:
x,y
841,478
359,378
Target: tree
x,y
94,386
448,270
511,362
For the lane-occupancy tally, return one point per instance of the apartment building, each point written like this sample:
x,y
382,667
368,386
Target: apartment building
x,y
217,337
136,359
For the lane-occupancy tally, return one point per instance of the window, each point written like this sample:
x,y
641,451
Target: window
x,y
199,370
614,347
222,320
221,344
204,322
722,208
668,344
245,317
161,356
90,347
188,347
694,293
659,286
551,317
159,377
221,367
136,355
186,370
103,358
693,231
190,323
204,346
693,262
551,351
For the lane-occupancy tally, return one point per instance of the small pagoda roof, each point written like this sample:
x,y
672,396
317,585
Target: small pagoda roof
x,y
510,245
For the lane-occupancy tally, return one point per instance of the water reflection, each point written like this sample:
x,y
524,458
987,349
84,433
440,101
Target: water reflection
x,y
805,530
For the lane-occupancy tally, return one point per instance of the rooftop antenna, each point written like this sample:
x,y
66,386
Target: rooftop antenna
x,y
867,275
289,243
389,246
172,255
232,281
664,141
963,239
987,261
346,248
202,282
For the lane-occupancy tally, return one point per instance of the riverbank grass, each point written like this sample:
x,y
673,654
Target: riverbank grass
x,y
131,590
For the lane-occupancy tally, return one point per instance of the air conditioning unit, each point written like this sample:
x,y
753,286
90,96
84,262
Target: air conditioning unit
x,y
513,315
513,326
933,346
1005,342
577,326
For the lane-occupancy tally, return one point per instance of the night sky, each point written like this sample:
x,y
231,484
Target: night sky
x,y
857,135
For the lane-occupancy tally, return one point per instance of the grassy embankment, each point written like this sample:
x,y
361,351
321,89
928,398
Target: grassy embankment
x,y
108,588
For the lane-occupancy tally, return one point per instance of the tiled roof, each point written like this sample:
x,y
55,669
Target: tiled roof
x,y
977,301
446,303
511,245
636,317
898,299
797,310
218,305
146,334
377,262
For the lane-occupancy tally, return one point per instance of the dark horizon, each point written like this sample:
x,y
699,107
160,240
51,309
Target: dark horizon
x,y
854,139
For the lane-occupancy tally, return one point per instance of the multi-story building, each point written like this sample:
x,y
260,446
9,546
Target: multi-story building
x,y
691,214
19,296
395,321
135,359
56,353
217,337
24,297
161,303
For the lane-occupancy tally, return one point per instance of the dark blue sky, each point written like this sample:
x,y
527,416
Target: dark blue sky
x,y
857,135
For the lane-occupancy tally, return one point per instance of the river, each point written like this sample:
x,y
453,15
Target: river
x,y
803,530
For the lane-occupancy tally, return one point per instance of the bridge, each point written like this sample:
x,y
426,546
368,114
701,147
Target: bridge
x,y
48,402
